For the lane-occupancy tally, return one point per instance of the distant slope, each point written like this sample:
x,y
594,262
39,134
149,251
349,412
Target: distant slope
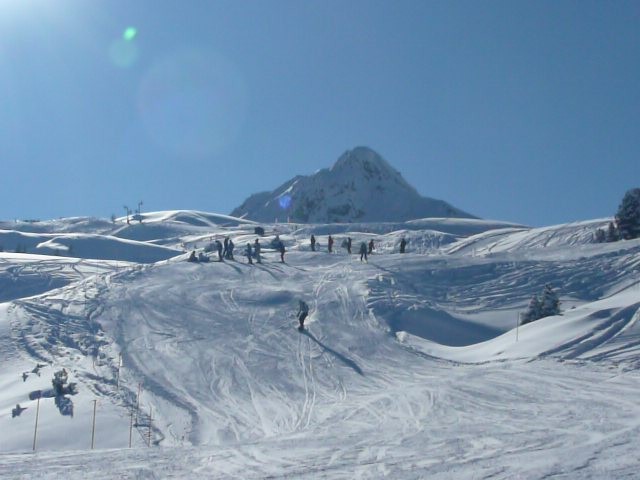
x,y
166,227
84,245
360,187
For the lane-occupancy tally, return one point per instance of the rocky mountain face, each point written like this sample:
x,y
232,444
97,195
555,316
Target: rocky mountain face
x,y
360,187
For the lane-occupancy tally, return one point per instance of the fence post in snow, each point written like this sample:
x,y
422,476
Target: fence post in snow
x,y
118,372
518,325
93,426
130,427
138,400
150,418
35,431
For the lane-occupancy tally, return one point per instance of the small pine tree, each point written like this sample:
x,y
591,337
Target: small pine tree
x,y
533,311
59,381
612,233
549,302
544,306
628,216
600,236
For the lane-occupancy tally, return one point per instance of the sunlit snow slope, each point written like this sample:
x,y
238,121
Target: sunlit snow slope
x,y
410,365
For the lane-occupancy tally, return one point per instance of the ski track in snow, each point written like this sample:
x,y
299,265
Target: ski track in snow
x,y
237,391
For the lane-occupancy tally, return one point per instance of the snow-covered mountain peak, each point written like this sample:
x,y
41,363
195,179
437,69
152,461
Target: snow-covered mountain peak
x,y
363,158
360,186
366,163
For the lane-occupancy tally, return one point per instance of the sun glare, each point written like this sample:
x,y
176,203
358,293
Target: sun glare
x,y
129,34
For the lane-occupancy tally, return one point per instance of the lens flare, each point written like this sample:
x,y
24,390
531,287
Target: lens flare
x,y
130,33
285,201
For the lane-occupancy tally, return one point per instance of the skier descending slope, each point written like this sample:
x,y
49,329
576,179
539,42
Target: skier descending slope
x,y
303,311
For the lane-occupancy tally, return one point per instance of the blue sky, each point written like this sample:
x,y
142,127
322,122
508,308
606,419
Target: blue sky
x,y
520,111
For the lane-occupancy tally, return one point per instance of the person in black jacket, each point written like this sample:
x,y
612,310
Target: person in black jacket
x,y
303,311
363,251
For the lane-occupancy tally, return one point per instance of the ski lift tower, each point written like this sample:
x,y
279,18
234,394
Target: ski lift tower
x,y
139,211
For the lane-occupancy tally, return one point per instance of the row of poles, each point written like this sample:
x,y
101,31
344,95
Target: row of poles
x,y
133,413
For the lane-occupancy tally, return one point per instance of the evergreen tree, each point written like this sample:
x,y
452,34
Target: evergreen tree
x,y
600,236
628,216
533,311
544,306
549,302
612,233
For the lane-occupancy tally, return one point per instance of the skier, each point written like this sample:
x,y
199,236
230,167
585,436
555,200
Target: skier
x,y
248,252
219,249
330,243
192,257
303,311
403,244
281,249
230,247
349,245
256,249
313,243
370,247
363,251
225,252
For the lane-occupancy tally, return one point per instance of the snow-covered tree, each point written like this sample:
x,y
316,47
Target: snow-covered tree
x,y
549,302
533,311
60,386
600,236
612,233
628,216
545,305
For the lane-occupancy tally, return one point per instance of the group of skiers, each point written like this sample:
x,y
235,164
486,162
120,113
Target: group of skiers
x,y
253,251
365,248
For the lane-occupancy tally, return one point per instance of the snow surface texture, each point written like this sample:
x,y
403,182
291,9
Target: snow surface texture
x,y
360,187
410,365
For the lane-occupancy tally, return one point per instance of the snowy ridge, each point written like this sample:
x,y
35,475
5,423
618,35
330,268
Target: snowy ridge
x,y
414,356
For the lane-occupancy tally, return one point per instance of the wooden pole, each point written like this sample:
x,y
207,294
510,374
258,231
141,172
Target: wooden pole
x,y
138,400
150,417
35,431
118,372
130,428
93,428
